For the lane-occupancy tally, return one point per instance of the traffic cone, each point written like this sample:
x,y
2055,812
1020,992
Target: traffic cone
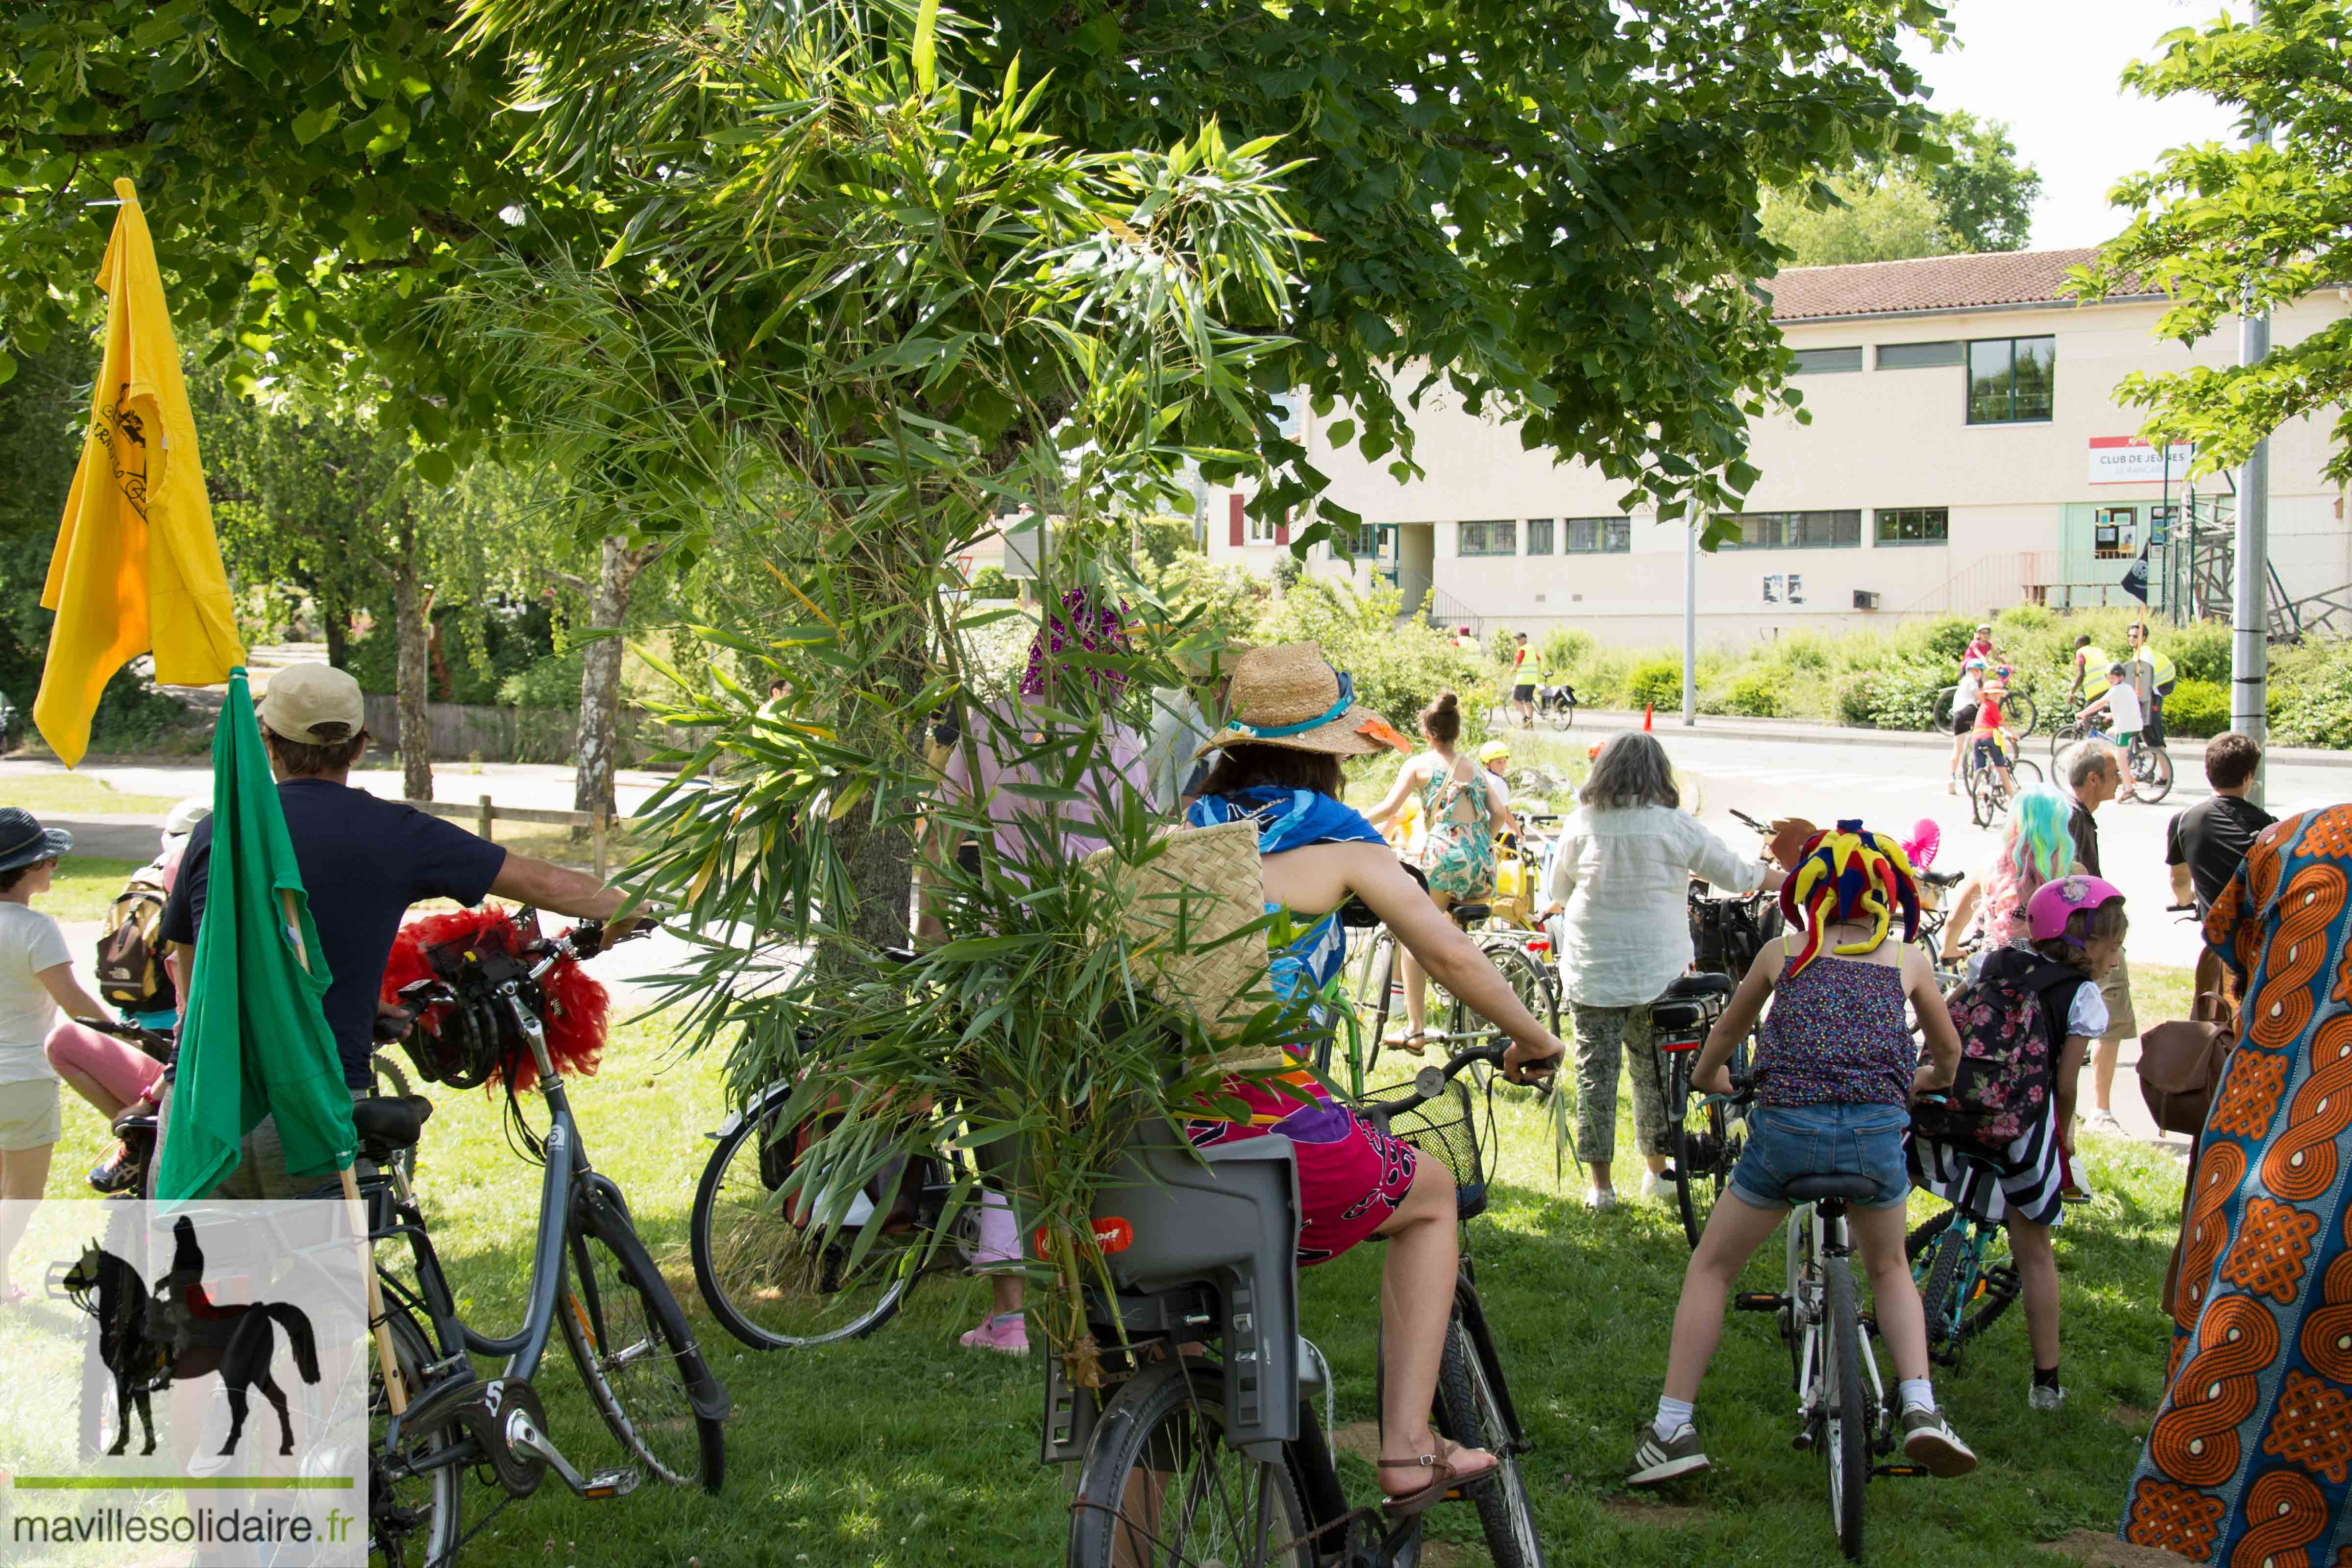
x,y
1649,711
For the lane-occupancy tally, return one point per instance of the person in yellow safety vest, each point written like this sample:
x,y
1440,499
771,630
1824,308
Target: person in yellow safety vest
x,y
1526,673
2152,675
2090,670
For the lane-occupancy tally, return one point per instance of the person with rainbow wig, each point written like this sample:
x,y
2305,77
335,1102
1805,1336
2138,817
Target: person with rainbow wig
x,y
2036,847
1834,1073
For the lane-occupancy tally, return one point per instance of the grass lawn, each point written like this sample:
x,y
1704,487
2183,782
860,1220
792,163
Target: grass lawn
x,y
905,1450
84,887
73,794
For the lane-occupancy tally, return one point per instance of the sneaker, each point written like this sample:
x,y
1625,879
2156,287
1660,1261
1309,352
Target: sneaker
x,y
1661,1459
1929,1439
1597,1199
2103,1122
1657,1187
1951,787
2045,1396
116,1173
1007,1333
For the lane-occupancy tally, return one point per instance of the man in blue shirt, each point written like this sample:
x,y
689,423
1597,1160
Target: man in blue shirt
x,y
365,860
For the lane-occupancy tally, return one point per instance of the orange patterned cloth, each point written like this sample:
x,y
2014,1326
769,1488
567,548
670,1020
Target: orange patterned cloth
x,y
2249,1457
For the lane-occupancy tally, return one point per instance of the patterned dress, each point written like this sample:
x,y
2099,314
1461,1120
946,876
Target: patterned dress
x,y
2250,1453
1458,851
1352,1176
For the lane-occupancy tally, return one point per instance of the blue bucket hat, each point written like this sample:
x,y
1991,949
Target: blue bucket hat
x,y
24,840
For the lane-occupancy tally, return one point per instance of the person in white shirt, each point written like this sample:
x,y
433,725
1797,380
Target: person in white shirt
x,y
1964,697
1620,884
2124,713
37,978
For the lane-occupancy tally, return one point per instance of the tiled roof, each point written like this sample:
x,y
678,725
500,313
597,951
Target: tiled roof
x,y
1928,283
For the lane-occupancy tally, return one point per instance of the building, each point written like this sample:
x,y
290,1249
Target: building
x,y
1966,452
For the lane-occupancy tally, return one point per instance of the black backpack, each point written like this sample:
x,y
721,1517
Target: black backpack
x,y
131,972
2008,1051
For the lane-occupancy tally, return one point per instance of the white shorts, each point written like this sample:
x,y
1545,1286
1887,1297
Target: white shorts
x,y
30,1117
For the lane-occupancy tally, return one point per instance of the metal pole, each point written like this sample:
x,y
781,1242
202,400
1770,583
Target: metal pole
x,y
1690,623
2250,639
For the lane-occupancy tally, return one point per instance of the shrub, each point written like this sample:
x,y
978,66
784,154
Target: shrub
x,y
1947,637
1286,571
1566,653
1399,668
1898,695
1802,648
2196,710
1655,682
990,583
2312,707
2201,652
1756,693
2020,620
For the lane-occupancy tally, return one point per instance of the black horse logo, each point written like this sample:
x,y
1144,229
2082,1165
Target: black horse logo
x,y
181,1333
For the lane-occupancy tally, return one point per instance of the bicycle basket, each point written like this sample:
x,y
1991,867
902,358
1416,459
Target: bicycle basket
x,y
1444,1128
1728,933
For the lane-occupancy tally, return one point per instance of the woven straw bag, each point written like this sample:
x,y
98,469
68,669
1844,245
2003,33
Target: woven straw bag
x,y
1178,907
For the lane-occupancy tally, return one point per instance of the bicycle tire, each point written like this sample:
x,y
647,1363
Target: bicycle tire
x,y
1981,786
1845,1436
1379,989
2026,770
1936,1295
1563,715
772,1284
440,1495
2152,774
1939,717
1687,1152
2021,708
619,1316
1470,1413
2064,736
1530,981
1162,1432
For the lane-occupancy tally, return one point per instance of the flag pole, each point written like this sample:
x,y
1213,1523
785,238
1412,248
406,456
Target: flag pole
x,y
395,1393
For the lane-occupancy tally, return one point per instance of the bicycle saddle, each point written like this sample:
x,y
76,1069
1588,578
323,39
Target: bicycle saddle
x,y
1464,914
1690,987
391,1122
1843,1186
1943,878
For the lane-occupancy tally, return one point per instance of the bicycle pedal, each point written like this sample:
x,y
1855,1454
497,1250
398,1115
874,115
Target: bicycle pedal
x,y
1759,1301
612,1483
1899,1471
1803,1442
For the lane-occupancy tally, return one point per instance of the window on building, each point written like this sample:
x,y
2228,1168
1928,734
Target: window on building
x,y
2011,379
1261,529
1600,535
1914,525
1490,538
1920,356
1799,530
1827,362
2115,532
1368,541
1538,536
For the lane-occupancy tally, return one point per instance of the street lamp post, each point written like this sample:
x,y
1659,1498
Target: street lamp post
x,y
2250,614
1690,625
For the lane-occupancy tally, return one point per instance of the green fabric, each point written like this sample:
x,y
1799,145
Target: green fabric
x,y
254,1040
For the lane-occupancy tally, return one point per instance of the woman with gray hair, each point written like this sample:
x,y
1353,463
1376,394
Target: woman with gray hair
x,y
1620,881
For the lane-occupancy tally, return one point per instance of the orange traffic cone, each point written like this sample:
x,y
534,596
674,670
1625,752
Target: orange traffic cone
x,y
1649,711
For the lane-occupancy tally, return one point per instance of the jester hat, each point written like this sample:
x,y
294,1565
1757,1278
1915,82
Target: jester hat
x,y
1849,874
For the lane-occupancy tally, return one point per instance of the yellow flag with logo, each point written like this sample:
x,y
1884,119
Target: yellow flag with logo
x,y
137,567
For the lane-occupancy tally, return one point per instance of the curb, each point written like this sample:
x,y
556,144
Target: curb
x,y
1792,733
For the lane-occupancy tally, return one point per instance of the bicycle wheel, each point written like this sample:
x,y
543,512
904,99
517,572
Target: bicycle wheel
x,y
1940,716
1982,787
1162,1485
2026,771
2021,711
1846,1439
1941,1276
2151,771
1531,981
1374,990
1470,1413
635,1353
414,1510
775,1281
1563,714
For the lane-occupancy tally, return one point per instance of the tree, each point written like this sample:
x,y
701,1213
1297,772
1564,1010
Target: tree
x,y
1869,215
1986,195
2227,228
1965,192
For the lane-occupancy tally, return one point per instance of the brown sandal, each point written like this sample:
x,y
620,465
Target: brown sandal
x,y
1414,1041
1444,1476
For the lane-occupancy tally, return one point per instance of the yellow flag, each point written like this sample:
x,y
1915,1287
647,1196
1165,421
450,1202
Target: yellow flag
x,y
137,567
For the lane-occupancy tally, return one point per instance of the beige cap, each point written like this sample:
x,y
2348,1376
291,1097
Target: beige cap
x,y
315,704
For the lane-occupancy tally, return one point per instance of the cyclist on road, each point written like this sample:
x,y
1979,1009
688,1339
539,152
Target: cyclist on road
x,y
365,861
2126,718
1835,1071
1526,674
1965,697
1294,718
1990,744
2090,665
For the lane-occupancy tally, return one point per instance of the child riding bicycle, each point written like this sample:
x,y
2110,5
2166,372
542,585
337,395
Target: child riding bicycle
x,y
2120,704
1835,1071
1989,744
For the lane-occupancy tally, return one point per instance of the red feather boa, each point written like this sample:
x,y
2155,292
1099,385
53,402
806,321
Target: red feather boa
x,y
577,1005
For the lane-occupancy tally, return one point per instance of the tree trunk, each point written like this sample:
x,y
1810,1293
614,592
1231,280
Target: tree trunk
x,y
596,746
335,622
415,670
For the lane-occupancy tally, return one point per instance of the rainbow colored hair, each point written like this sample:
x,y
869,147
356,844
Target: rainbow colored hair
x,y
1849,873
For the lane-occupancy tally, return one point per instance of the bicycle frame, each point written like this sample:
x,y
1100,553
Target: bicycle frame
x,y
1827,1234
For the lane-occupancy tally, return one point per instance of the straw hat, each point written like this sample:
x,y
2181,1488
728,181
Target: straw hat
x,y
1289,696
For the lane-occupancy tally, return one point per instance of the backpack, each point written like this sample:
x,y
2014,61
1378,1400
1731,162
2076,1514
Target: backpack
x,y
131,972
2008,1053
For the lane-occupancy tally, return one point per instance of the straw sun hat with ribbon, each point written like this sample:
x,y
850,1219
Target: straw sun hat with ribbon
x,y
1289,696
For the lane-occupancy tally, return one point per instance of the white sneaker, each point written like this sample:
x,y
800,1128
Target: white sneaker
x,y
1656,1188
2103,1122
2037,1397
1598,1198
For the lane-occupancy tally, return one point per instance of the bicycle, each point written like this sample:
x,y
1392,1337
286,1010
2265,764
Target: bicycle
x,y
1707,1136
591,1274
784,1271
2147,768
1960,1261
1195,1461
1375,983
1556,705
1819,1315
1988,797
2017,705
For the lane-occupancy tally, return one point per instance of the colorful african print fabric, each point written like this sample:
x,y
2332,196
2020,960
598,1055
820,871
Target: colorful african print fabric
x,y
2250,1453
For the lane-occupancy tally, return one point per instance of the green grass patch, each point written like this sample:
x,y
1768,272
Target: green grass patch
x,y
73,794
906,1451
84,887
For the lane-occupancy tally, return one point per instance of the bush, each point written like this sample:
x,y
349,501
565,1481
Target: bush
x,y
990,583
2312,706
1803,649
1566,653
2196,710
1897,695
1947,637
2201,652
1399,668
1756,693
1655,683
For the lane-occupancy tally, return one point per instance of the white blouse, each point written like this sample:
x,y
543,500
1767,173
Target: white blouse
x,y
1624,875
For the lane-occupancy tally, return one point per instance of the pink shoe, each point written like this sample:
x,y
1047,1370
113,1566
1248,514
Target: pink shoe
x,y
1007,1333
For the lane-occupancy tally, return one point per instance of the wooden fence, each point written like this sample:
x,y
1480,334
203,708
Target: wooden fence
x,y
485,814
467,732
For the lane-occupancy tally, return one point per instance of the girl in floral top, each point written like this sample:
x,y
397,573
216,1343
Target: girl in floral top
x,y
1836,1070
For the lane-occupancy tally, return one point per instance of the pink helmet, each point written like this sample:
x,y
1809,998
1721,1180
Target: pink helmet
x,y
2046,911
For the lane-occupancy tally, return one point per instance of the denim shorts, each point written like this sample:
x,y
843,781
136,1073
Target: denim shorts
x,y
1785,1142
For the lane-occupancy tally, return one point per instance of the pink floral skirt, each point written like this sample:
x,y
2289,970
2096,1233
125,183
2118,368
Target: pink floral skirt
x,y
1352,1176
